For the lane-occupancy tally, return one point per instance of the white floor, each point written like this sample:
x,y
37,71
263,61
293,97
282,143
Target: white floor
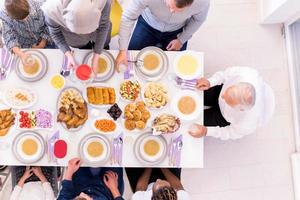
x,y
256,167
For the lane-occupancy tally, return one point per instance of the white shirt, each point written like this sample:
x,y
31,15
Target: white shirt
x,y
242,122
33,191
146,195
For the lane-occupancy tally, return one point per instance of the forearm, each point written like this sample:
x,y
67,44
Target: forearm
x,y
143,180
103,29
21,182
57,35
17,51
172,179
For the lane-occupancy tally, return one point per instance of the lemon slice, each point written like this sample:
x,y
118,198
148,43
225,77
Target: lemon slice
x,y
57,81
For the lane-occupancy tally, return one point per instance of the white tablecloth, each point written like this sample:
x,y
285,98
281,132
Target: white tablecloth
x,y
192,151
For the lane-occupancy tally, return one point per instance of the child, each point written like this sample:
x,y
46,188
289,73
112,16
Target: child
x,y
24,26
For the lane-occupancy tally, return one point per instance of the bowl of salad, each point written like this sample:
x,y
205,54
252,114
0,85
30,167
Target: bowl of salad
x,y
130,90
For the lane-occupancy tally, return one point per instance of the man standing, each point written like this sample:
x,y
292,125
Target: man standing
x,y
168,24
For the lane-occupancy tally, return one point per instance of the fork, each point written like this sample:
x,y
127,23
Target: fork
x,y
178,155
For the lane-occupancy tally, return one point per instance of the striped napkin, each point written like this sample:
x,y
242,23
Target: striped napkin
x,y
7,62
129,72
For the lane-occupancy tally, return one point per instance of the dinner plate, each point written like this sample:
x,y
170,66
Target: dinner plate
x,y
109,58
194,95
148,160
151,107
13,127
43,63
94,161
8,96
197,63
18,152
154,75
18,123
101,85
116,131
57,107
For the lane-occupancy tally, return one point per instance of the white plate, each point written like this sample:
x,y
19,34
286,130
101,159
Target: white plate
x,y
108,57
144,99
100,85
127,100
147,127
194,115
198,57
13,90
18,117
17,147
43,63
57,107
13,127
116,131
156,75
150,160
97,161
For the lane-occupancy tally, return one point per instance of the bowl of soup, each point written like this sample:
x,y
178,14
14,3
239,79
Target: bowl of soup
x,y
150,149
28,147
188,65
150,62
187,104
94,149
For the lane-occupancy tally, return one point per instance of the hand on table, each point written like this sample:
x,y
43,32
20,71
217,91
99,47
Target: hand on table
x,y
73,166
71,61
110,179
41,45
174,45
121,59
198,131
203,84
28,173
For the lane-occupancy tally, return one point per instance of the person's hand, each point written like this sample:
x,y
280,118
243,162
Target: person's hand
x,y
121,59
110,179
41,45
28,173
174,45
38,172
73,166
23,57
71,61
198,131
95,62
203,84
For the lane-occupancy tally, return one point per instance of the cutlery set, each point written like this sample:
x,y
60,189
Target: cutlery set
x,y
117,149
175,148
51,142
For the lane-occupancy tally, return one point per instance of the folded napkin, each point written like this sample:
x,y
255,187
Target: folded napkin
x,y
6,63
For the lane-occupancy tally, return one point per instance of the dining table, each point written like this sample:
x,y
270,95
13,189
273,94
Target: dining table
x,y
191,149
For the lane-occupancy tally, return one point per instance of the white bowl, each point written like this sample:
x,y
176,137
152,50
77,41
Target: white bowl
x,y
198,57
174,104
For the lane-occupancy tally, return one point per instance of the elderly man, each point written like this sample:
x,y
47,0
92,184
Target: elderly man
x,y
168,24
239,100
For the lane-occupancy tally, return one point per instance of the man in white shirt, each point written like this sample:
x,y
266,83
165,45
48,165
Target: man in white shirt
x,y
239,100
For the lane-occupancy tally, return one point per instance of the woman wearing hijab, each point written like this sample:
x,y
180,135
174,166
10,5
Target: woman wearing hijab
x,y
83,24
